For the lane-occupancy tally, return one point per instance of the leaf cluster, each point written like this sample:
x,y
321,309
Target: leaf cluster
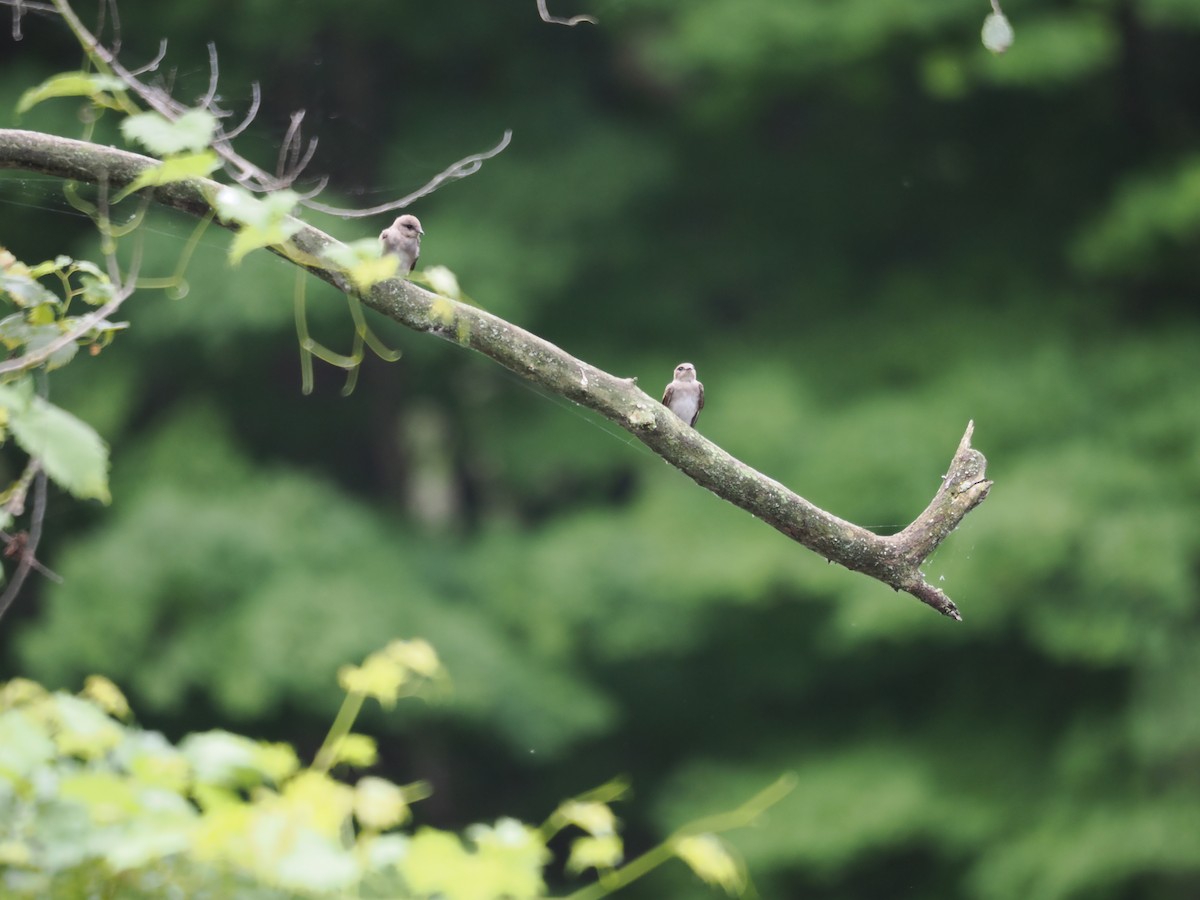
x,y
92,803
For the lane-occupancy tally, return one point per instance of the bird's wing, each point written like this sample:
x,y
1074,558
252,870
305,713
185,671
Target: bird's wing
x,y
700,405
668,394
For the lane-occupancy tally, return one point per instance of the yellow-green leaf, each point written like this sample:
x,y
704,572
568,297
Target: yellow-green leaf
x,y
363,261
176,168
443,281
191,132
596,819
600,853
264,222
711,860
416,655
358,750
70,451
72,84
105,694
378,677
379,804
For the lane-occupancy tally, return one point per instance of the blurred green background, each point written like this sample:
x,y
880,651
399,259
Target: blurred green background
x,y
864,230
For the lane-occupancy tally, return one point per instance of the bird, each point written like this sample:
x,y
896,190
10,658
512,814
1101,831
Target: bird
x,y
403,238
685,395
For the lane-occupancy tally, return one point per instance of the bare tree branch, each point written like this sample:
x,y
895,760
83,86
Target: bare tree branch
x,y
24,545
553,20
895,559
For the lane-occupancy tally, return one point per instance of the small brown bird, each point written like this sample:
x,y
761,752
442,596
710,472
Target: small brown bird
x,y
685,395
404,239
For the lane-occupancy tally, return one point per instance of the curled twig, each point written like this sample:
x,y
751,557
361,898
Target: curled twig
x,y
153,65
255,102
554,20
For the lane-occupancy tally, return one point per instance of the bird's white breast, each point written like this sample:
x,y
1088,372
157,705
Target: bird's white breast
x,y
685,404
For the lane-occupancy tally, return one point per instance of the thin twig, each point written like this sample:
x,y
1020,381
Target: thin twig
x,y
109,5
467,166
28,560
20,7
255,102
214,74
154,63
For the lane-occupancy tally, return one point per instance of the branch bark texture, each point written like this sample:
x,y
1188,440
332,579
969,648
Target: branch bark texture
x,y
895,559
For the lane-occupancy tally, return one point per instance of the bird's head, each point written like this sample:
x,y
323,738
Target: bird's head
x,y
685,372
409,226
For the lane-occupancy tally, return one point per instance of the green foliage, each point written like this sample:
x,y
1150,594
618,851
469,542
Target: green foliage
x,y
262,222
42,317
69,450
90,803
1147,223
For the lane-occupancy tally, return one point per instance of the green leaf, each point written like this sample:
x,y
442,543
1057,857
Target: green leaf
x,y
38,336
72,84
70,451
221,758
364,261
97,290
108,796
264,222
84,730
600,853
177,168
443,281
24,744
24,290
379,804
710,859
596,819
506,862
193,131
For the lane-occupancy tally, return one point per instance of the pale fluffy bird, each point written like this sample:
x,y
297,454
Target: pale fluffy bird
x,y
403,238
685,395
